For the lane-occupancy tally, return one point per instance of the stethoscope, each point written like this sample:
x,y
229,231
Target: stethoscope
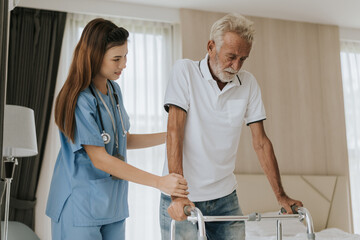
x,y
104,135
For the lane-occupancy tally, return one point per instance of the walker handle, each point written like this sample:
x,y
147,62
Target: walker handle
x,y
293,208
187,210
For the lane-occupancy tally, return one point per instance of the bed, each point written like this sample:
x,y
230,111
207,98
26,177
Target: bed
x,y
293,231
326,197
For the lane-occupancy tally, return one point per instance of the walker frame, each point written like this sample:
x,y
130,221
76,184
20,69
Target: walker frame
x,y
195,215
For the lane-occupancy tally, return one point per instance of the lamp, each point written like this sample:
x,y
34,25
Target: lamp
x,y
19,140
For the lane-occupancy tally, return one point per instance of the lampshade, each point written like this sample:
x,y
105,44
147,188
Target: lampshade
x,y
19,139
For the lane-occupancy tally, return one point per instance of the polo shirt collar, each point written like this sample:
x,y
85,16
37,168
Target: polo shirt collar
x,y
206,74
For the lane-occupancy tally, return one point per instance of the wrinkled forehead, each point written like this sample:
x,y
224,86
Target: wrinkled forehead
x,y
234,43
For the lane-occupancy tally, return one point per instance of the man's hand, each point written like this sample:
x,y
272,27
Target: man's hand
x,y
287,202
176,208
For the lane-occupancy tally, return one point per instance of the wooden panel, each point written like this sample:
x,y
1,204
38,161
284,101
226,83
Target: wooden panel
x,y
325,185
298,69
253,189
195,30
339,216
333,100
289,81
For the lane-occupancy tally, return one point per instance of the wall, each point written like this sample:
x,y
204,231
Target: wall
x,y
349,34
4,41
297,66
107,8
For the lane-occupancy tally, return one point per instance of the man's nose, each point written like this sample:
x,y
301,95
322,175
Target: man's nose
x,y
236,64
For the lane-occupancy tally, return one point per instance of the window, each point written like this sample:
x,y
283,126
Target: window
x,y
143,86
350,67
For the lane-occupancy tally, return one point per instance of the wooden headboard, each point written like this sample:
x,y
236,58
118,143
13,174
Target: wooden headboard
x,y
326,197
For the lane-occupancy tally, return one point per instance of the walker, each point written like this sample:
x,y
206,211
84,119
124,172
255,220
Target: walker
x,y
195,215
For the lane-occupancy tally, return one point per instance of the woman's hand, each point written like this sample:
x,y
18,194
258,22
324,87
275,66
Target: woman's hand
x,y
173,184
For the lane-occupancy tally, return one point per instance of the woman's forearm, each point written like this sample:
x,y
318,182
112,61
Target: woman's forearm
x,y
135,141
116,167
125,171
173,184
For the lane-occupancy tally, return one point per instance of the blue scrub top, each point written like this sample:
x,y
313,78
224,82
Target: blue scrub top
x,y
95,198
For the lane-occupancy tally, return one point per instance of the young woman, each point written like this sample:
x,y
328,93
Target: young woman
x,y
88,193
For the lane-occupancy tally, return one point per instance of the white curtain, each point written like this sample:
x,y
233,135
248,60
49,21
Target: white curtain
x,y
143,83
350,67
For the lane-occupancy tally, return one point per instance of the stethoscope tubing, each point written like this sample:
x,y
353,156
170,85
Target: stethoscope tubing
x,y
104,135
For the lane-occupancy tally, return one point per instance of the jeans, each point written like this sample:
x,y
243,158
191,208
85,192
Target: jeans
x,y
225,206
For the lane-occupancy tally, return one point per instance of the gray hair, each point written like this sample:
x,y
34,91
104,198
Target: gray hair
x,y
232,22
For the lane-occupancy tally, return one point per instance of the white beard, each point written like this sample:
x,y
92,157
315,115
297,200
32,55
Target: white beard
x,y
224,75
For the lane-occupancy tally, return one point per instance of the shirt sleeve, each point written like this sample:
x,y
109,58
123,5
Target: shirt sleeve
x,y
87,131
177,91
255,110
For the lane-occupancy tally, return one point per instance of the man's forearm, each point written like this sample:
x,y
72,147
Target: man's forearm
x,y
175,138
269,164
265,152
174,152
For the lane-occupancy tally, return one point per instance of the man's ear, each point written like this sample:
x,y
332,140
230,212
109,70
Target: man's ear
x,y
211,47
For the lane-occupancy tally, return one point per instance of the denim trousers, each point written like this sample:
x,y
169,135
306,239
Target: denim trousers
x,y
185,230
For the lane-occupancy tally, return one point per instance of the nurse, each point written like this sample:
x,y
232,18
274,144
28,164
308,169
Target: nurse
x,y
88,193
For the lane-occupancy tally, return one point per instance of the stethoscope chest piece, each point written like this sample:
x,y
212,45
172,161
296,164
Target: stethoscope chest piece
x,y
105,137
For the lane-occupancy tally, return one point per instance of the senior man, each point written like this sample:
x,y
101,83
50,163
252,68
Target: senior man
x,y
208,101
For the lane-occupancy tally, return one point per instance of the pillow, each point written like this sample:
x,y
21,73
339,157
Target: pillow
x,y
267,227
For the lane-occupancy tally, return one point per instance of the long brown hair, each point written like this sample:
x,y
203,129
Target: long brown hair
x,y
97,36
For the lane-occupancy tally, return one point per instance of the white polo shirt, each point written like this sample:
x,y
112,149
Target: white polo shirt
x,y
213,125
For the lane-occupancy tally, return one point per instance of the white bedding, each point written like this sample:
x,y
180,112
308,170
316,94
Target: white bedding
x,y
294,230
327,234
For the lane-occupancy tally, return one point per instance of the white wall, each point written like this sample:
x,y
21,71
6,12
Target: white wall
x,y
106,7
113,8
350,34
